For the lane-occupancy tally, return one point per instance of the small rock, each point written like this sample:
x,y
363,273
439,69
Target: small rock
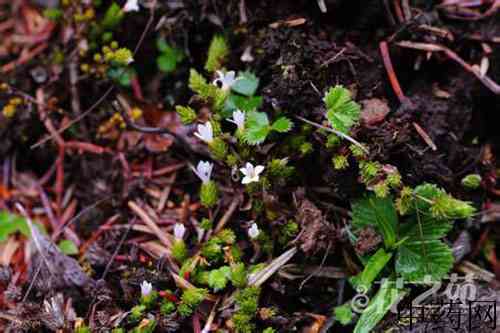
x,y
374,111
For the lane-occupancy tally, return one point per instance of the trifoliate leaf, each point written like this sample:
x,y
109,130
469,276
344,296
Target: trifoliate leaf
x,y
372,269
379,213
246,84
217,53
256,127
342,111
282,125
386,296
68,247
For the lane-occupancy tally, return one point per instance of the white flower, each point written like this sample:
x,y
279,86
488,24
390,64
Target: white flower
x,y
179,231
146,288
225,79
251,173
203,170
253,231
238,119
205,132
131,6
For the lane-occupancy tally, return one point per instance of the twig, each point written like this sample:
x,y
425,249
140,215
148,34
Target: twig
x,y
384,51
227,215
485,80
425,136
332,130
150,223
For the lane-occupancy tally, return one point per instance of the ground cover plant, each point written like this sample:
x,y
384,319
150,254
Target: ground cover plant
x,y
247,166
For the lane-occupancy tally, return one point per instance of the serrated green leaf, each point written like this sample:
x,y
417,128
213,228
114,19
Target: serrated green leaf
x,y
246,84
68,247
255,136
282,125
379,213
423,253
416,260
372,269
256,127
386,296
342,112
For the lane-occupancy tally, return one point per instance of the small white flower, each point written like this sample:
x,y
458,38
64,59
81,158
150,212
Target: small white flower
x,y
131,6
238,119
203,170
253,231
205,132
225,79
146,288
179,231
251,173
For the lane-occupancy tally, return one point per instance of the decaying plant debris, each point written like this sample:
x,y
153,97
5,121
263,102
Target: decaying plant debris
x,y
245,166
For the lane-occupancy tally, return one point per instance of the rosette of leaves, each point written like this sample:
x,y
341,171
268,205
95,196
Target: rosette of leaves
x,y
416,244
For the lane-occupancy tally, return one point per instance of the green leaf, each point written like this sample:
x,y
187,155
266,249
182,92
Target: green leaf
x,y
112,17
377,212
343,314
68,247
386,296
217,53
169,58
282,125
342,111
256,127
246,104
12,223
423,253
121,75
246,84
372,269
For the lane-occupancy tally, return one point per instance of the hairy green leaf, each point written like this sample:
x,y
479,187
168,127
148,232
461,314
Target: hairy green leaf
x,y
282,125
422,253
342,111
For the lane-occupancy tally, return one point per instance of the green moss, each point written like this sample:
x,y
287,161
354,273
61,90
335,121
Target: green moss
x,y
137,312
471,182
340,162
217,53
187,115
167,307
179,250
238,275
209,194
218,148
